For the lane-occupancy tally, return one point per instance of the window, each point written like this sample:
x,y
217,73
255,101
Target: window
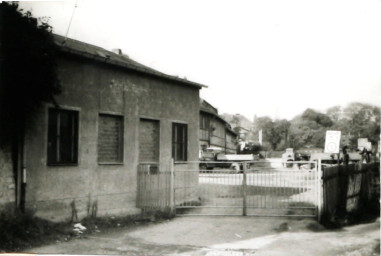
x,y
110,139
204,122
179,141
62,137
219,130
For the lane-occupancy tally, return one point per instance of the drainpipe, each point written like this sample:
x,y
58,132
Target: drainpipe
x,y
21,172
23,182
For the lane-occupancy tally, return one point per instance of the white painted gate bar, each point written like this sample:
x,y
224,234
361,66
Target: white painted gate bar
x,y
261,188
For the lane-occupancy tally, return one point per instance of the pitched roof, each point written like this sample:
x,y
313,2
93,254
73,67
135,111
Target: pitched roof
x,y
206,107
93,52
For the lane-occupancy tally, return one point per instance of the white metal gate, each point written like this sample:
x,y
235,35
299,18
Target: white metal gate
x,y
258,188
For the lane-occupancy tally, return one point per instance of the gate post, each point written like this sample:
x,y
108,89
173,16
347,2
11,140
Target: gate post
x,y
319,190
244,187
172,187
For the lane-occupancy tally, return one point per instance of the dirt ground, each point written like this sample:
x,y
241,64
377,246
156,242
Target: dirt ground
x,y
210,236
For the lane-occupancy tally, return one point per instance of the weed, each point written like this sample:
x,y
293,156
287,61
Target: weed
x,y
21,231
24,230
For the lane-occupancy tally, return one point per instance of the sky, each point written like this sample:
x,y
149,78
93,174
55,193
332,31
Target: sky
x,y
271,58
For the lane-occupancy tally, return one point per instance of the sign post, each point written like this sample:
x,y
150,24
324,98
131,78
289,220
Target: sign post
x,y
260,137
332,142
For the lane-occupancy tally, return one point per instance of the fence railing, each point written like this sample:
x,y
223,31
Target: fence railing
x,y
155,183
333,189
252,188
245,185
348,188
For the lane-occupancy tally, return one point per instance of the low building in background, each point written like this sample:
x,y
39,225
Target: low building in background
x,y
215,131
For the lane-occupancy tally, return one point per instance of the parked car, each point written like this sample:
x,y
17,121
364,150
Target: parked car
x,y
208,159
211,158
288,157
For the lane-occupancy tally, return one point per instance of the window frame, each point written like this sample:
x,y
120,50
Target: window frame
x,y
74,113
183,143
205,122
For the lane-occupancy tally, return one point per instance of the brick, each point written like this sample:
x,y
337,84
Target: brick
x,y
148,141
110,138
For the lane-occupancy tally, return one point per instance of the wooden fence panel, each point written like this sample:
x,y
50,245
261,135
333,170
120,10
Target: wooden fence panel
x,y
331,190
349,187
353,176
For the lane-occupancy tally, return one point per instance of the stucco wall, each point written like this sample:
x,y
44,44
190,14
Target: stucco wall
x,y
7,182
93,88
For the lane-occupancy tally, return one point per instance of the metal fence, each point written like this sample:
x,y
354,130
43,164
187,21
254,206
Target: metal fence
x,y
155,186
255,188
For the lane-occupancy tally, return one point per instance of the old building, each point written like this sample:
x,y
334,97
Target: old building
x,y
215,131
113,115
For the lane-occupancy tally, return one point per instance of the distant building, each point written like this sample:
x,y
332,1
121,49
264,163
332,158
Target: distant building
x,y
241,125
243,133
215,131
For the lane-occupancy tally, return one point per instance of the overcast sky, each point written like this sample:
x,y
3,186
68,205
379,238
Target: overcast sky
x,y
268,57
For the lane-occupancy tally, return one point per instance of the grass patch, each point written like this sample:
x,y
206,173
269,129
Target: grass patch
x,y
23,231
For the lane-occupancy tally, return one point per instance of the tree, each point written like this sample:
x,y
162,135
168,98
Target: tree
x,y
360,120
28,78
319,118
273,132
282,128
308,129
28,70
236,121
334,113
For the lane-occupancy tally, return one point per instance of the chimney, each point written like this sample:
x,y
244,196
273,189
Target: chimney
x,y
117,51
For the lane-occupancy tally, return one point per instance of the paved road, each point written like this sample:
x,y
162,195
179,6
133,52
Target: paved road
x,y
236,236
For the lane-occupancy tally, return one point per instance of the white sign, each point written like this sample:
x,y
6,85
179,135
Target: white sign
x,y
332,142
364,143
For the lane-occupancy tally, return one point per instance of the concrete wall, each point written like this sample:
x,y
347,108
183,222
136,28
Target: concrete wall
x,y
93,88
7,182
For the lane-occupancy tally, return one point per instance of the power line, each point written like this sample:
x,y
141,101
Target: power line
x,y
72,15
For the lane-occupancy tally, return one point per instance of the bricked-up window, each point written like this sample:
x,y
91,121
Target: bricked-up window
x,y
110,139
149,140
179,141
62,137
